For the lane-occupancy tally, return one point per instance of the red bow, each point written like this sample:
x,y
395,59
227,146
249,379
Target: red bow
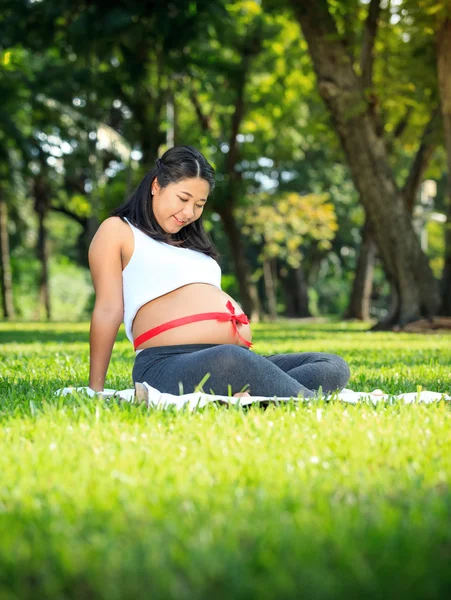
x,y
242,319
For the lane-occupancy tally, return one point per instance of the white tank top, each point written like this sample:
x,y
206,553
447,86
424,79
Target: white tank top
x,y
157,268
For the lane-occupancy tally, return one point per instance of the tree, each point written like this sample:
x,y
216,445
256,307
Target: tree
x,y
281,224
428,26
263,137
14,119
238,43
358,127
5,259
444,78
403,95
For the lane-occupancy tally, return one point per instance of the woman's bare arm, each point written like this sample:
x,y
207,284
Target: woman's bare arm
x,y
106,272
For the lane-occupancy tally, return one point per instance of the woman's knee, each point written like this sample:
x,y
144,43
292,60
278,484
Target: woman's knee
x,y
341,371
139,374
231,357
230,367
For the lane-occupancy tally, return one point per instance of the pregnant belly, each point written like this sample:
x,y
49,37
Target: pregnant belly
x,y
186,301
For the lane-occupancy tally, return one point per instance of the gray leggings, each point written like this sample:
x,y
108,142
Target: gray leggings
x,y
283,375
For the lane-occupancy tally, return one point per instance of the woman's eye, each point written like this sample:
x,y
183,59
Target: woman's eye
x,y
186,200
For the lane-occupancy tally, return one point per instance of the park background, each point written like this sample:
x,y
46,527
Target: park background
x,y
328,125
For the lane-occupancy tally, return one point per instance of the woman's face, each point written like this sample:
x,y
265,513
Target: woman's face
x,y
179,204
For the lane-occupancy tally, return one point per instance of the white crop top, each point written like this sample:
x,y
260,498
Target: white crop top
x,y
157,268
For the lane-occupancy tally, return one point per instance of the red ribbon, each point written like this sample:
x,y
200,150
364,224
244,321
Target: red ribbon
x,y
219,316
242,319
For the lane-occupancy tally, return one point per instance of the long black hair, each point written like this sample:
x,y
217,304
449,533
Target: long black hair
x,y
177,163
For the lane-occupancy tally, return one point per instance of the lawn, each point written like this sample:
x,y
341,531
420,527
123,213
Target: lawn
x,y
327,501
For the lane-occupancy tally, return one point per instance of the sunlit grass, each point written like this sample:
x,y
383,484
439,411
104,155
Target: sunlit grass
x,y
101,500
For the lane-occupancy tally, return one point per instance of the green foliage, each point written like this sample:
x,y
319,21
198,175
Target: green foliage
x,y
435,246
68,70
282,223
70,290
331,285
229,284
331,501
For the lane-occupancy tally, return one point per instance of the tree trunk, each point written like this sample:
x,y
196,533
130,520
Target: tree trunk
x,y
405,263
241,265
170,120
256,313
444,79
42,206
270,291
295,290
421,160
150,116
7,281
300,291
360,301
290,300
43,256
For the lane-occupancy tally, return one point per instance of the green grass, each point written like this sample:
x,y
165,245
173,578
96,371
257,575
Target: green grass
x,y
328,501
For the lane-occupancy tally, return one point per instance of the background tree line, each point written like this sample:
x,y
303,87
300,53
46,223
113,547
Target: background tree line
x,y
322,119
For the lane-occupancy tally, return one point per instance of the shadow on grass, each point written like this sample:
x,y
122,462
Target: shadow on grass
x,y
309,330
32,336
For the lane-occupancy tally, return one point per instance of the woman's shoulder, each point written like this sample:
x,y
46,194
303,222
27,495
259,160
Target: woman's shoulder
x,y
111,234
115,228
113,224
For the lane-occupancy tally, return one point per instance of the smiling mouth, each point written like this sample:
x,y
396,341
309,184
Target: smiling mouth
x,y
180,222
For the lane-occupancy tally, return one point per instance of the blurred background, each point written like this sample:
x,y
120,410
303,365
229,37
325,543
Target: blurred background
x,y
328,124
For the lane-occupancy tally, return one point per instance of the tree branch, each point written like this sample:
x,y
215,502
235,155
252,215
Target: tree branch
x,y
367,61
402,124
422,158
251,48
369,37
237,117
399,129
81,220
204,120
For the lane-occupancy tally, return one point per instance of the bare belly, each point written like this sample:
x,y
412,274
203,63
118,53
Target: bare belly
x,y
189,300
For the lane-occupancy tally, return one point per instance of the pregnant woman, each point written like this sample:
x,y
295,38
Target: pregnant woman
x,y
154,267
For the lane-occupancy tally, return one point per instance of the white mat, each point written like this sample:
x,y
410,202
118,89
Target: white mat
x,y
157,399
